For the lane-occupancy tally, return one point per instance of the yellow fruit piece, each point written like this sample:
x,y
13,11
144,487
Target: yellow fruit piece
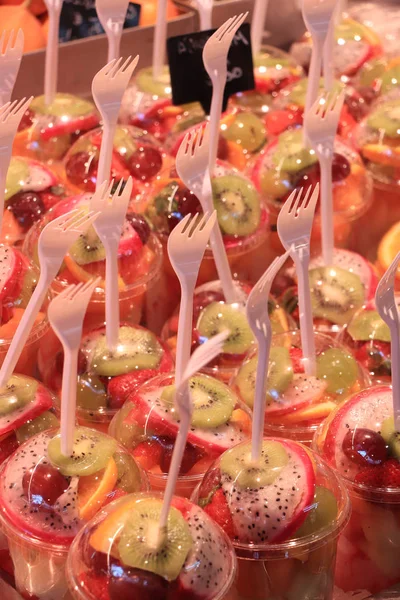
x,y
382,154
81,275
311,413
93,490
236,156
240,418
389,247
102,539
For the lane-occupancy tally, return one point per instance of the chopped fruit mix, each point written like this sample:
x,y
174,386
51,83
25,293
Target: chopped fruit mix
x,y
135,153
148,424
121,556
47,132
379,77
105,379
294,399
211,315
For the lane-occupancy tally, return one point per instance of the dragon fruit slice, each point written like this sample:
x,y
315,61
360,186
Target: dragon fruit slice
x,y
23,400
11,274
348,59
303,391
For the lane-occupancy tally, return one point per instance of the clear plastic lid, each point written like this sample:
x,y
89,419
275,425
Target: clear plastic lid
x,y
46,497
211,314
384,19
360,441
135,153
295,399
378,77
46,132
118,552
288,502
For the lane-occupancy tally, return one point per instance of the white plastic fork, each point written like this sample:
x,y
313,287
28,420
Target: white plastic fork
x,y
260,324
10,118
386,306
112,15
192,167
215,58
108,87
205,8
294,225
51,64
258,24
54,241
186,246
199,359
10,62
112,210
160,38
321,123
317,15
66,314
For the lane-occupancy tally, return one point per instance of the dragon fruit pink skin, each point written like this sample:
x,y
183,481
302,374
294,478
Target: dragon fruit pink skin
x,y
41,402
12,271
303,391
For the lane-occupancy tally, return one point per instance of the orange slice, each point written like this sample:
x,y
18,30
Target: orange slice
x,y
241,419
311,413
103,538
94,489
236,156
389,247
382,154
8,330
11,232
82,275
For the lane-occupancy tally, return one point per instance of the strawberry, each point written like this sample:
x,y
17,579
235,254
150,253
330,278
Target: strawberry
x,y
7,446
121,386
49,200
182,504
114,495
296,356
98,585
371,477
148,454
218,510
279,120
391,473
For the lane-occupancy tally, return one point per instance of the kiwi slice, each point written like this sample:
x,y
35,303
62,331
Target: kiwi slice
x,y
218,317
137,349
247,130
238,465
91,452
322,513
124,142
386,119
336,294
368,325
87,248
339,369
29,284
18,392
156,87
391,436
271,62
390,79
90,393
63,105
46,420
372,70
237,204
213,401
129,479
291,155
143,546
17,174
191,118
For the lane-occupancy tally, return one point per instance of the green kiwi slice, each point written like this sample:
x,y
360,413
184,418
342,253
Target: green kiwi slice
x,y
29,284
18,173
91,452
391,436
218,317
291,155
90,392
336,294
63,105
368,325
87,248
129,479
213,401
237,204
271,62
193,117
137,349
160,87
322,514
238,465
46,420
18,392
124,142
247,130
386,119
339,369
372,70
390,79
143,546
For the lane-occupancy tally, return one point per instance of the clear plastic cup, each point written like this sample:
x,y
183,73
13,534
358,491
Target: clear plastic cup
x,y
283,517
147,425
297,403
204,567
360,443
45,499
378,78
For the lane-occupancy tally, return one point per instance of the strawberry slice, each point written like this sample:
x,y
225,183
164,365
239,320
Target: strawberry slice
x,y
371,477
98,585
8,445
79,124
278,121
148,454
391,473
218,510
296,356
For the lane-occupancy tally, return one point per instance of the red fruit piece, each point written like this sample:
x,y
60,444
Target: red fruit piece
x,y
98,586
182,504
114,495
61,127
140,225
27,208
218,510
371,477
27,120
364,446
8,445
137,584
296,356
190,457
148,454
81,170
391,473
145,163
278,121
49,199
43,484
121,386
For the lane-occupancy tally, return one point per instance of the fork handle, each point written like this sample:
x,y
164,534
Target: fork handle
x,y
68,398
114,34
302,261
106,149
260,398
112,295
314,72
328,55
51,63
223,266
4,164
395,354
184,341
215,117
327,224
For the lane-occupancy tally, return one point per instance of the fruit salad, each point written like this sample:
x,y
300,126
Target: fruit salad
x,y
355,45
211,315
46,132
105,378
297,402
115,556
287,164
31,190
360,442
18,279
283,515
135,153
46,497
148,423
379,79
139,261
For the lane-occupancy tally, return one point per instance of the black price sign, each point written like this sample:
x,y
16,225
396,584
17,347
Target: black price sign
x,y
189,79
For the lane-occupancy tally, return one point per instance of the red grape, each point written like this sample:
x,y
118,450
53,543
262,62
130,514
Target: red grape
x,y
27,208
364,446
145,163
190,456
140,225
137,584
27,120
187,203
81,170
340,167
43,484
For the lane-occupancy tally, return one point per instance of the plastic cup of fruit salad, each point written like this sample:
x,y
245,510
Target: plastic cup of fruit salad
x,y
286,164
338,291
105,379
46,132
135,153
355,45
115,558
378,78
283,516
140,261
360,443
287,109
212,314
45,498
296,402
147,425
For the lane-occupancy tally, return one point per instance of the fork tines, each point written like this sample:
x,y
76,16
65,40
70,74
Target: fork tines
x,y
298,201
328,103
14,42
